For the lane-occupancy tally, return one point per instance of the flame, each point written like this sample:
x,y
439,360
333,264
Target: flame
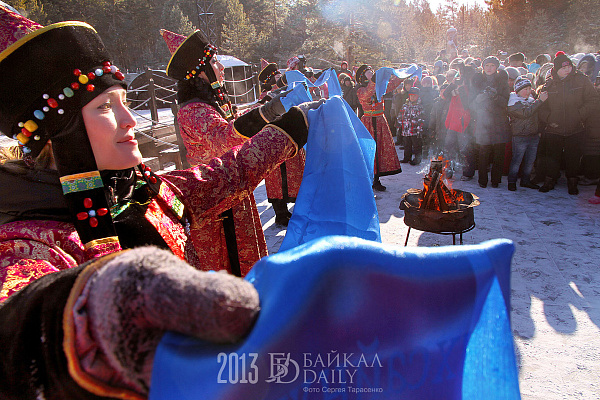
x,y
437,192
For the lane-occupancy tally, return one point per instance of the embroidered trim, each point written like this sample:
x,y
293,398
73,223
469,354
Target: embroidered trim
x,y
81,182
374,113
171,200
99,242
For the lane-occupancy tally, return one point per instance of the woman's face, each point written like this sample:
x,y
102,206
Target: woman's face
x,y
109,125
490,68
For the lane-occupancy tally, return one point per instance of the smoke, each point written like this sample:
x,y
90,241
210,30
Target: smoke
x,y
338,48
384,30
582,47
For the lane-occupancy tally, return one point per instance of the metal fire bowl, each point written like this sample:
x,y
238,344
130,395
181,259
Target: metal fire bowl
x,y
444,222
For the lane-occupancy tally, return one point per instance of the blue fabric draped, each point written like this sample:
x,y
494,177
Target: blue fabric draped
x,y
328,76
383,75
351,319
336,195
298,95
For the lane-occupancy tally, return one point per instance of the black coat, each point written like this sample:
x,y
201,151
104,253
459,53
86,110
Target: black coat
x,y
488,103
571,101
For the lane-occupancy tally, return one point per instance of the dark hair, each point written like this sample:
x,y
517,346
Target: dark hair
x,y
196,89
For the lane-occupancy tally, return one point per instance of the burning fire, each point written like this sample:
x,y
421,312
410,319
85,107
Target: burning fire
x,y
436,195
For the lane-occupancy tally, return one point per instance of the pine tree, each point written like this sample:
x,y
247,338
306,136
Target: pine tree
x,y
238,34
539,36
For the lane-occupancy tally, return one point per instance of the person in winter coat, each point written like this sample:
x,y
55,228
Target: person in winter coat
x,y
523,116
489,98
235,241
437,124
349,93
596,198
458,145
410,124
589,65
428,94
399,99
386,158
571,101
97,255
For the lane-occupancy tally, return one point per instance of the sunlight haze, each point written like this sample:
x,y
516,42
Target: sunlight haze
x,y
435,3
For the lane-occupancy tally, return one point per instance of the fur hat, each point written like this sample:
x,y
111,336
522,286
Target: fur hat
x,y
491,59
520,83
52,73
561,60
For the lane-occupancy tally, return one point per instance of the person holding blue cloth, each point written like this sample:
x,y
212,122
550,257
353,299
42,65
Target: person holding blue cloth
x,y
386,158
97,255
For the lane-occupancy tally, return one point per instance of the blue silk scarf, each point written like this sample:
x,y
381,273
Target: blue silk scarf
x,y
346,318
336,195
349,318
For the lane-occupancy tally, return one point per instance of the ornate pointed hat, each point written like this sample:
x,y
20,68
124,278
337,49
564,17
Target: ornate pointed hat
x,y
267,72
14,26
188,55
173,40
263,63
47,75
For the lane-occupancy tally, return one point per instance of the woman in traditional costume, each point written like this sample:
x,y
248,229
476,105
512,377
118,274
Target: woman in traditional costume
x,y
96,256
386,158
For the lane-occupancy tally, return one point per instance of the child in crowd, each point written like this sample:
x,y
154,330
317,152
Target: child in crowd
x,y
523,116
410,122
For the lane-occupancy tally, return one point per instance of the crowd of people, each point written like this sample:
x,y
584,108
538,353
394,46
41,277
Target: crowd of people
x,y
498,116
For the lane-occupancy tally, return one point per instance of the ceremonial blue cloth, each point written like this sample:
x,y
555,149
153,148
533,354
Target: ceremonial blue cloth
x,y
383,75
298,95
350,319
336,195
328,76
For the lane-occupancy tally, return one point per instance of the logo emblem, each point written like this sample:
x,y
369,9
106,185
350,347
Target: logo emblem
x,y
282,367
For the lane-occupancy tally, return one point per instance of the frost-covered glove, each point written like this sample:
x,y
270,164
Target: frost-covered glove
x,y
130,301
